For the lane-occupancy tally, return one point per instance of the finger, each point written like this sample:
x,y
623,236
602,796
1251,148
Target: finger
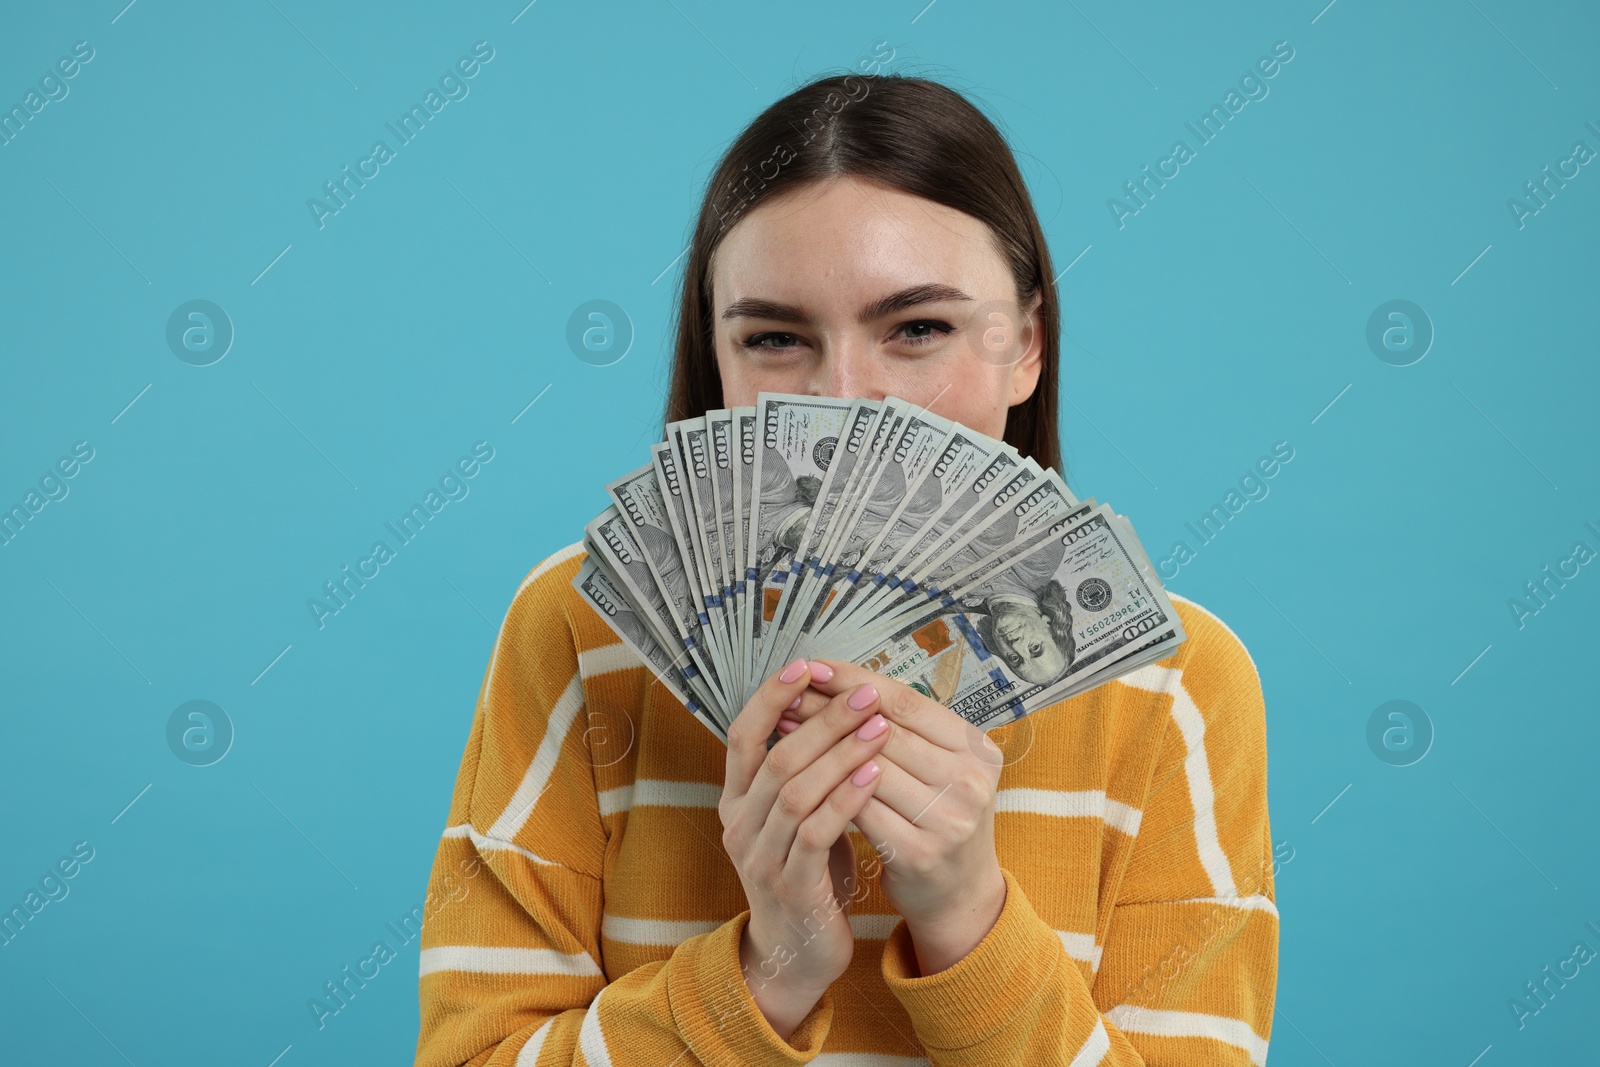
x,y
913,755
918,757
748,733
903,791
829,823
900,704
798,796
810,701
807,704
885,828
805,745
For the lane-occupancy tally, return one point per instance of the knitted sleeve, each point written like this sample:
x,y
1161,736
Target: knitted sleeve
x,y
1189,966
511,964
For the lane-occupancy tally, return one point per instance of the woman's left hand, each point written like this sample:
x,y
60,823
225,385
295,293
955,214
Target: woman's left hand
x,y
931,817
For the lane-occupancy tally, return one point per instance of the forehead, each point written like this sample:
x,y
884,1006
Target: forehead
x,y
847,237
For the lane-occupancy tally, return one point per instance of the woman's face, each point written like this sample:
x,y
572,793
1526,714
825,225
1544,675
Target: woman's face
x,y
850,289
1026,645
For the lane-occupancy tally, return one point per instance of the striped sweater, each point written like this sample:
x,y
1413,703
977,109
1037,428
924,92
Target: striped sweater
x,y
582,910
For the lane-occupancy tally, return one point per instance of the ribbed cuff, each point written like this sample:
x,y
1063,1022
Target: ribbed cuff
x,y
981,993
717,1015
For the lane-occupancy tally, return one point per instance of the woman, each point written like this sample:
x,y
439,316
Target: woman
x,y
1090,884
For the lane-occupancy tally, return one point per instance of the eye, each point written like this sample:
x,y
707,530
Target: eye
x,y
758,342
938,330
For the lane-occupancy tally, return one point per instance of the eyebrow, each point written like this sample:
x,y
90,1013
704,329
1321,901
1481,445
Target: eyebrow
x,y
926,293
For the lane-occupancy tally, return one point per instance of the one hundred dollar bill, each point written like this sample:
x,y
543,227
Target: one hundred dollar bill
x,y
797,437
998,648
876,532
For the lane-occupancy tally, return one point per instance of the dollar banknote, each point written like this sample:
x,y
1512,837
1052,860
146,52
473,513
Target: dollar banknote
x,y
909,451
996,646
798,436
873,531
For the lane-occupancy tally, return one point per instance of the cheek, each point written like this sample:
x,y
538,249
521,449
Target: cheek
x,y
742,379
974,395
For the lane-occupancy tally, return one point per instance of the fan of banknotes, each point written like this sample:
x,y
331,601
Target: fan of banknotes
x,y
876,532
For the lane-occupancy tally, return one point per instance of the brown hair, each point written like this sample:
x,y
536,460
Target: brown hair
x,y
908,133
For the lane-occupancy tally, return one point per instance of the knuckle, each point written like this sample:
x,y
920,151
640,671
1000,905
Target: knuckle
x,y
789,802
851,802
838,802
779,763
840,714
974,788
812,835
962,823
899,702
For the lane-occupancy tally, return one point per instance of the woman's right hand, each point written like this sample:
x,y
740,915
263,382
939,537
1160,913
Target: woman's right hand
x,y
784,815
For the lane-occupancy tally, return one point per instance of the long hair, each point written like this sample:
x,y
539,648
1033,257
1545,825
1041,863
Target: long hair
x,y
908,133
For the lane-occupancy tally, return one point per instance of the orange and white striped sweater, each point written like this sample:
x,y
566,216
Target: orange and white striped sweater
x,y
582,909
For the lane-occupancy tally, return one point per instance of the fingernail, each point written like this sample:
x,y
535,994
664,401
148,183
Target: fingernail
x,y
867,772
869,729
786,725
794,704
862,698
821,672
793,671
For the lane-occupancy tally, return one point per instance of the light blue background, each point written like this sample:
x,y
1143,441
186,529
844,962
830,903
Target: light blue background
x,y
425,316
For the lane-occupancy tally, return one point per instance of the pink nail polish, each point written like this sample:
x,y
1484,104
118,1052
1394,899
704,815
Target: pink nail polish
x,y
793,671
863,697
821,672
794,705
867,772
871,728
786,726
